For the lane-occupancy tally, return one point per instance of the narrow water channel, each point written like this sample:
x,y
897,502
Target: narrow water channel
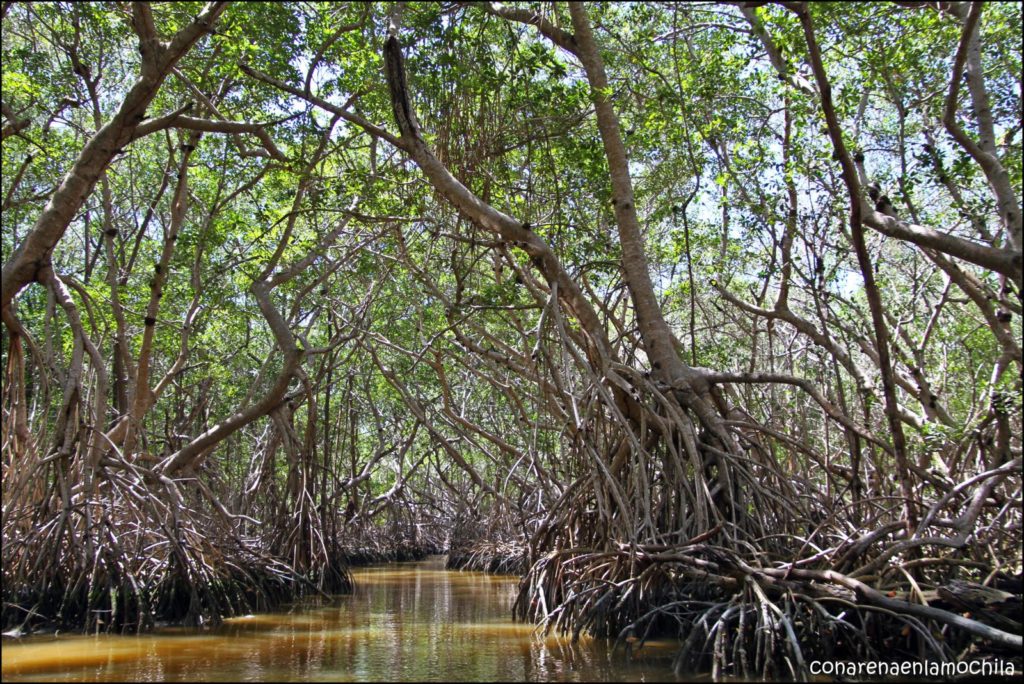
x,y
404,622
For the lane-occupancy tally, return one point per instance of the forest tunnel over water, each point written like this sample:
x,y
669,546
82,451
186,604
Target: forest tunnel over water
x,y
703,319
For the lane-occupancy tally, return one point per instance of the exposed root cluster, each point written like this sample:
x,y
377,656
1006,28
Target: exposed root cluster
x,y
501,558
126,558
397,539
755,608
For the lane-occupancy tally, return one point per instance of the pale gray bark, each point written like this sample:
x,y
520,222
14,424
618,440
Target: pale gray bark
x,y
853,189
983,152
657,336
482,213
158,58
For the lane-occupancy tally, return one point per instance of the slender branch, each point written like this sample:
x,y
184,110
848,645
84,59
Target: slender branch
x,y
877,598
33,254
864,260
342,111
995,172
766,378
1005,261
559,37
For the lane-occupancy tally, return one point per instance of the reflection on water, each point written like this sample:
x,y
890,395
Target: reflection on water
x,y
404,622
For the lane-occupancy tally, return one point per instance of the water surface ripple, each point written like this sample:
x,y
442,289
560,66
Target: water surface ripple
x,y
404,622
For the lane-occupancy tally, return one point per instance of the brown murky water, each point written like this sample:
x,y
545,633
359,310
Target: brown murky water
x,y
404,622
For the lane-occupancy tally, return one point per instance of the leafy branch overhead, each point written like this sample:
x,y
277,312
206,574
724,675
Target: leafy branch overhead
x,y
703,317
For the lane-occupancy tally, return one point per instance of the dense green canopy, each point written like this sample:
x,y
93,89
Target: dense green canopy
x,y
286,284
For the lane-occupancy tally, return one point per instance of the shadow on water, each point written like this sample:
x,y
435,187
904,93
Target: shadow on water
x,y
404,622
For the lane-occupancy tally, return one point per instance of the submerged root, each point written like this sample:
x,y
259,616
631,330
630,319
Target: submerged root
x,y
193,581
500,558
368,544
367,553
737,621
607,593
121,560
757,585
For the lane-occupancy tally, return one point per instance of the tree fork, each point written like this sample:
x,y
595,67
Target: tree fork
x,y
657,337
